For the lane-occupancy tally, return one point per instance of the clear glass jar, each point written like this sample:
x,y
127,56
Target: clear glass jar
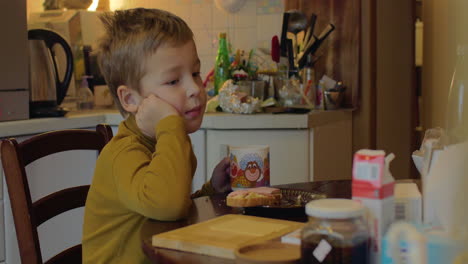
x,y
335,233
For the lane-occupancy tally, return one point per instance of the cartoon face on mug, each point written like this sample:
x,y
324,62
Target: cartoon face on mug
x,y
252,165
252,171
249,167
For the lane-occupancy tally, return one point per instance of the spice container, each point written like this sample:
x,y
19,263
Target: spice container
x,y
335,233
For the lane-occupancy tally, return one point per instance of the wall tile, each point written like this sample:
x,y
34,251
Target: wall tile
x,y
182,11
247,16
207,63
204,41
244,38
268,26
201,15
221,19
252,27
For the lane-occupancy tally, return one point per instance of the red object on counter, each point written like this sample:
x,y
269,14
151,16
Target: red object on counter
x,y
275,49
207,78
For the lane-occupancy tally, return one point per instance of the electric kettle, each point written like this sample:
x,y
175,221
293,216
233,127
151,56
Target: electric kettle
x,y
47,91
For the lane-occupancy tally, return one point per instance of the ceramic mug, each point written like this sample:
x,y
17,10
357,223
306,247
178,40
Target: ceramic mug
x,y
249,166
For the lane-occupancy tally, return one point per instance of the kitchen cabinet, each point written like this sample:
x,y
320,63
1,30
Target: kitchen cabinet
x,y
201,174
14,74
310,147
2,218
289,150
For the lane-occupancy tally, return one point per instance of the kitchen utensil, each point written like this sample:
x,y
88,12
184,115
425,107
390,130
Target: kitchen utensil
x,y
221,236
313,46
284,31
250,166
310,29
333,99
275,49
254,88
297,21
292,68
47,91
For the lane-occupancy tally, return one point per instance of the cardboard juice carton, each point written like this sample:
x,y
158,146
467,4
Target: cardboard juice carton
x,y
373,186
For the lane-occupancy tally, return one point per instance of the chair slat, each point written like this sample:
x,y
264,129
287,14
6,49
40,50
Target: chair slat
x,y
53,205
68,256
59,141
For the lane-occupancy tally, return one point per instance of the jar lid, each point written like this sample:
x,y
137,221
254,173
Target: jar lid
x,y
334,208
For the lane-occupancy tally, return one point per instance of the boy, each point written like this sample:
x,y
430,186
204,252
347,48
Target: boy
x,y
150,63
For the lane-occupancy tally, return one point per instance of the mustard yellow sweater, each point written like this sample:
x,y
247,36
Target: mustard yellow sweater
x,y
136,178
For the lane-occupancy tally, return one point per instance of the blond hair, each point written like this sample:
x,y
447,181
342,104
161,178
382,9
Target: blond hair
x,y
132,36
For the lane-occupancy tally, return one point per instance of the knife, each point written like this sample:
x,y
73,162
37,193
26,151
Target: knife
x,y
284,31
292,69
310,30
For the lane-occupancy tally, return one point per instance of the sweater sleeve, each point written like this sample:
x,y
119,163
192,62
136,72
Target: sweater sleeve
x,y
157,185
206,190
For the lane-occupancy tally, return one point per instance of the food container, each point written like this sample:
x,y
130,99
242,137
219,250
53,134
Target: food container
x,y
335,233
254,88
333,99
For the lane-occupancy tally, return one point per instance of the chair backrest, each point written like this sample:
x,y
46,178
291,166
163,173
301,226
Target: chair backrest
x,y
29,215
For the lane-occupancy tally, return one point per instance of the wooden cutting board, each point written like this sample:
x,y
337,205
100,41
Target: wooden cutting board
x,y
220,236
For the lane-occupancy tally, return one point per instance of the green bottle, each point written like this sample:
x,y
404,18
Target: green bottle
x,y
222,65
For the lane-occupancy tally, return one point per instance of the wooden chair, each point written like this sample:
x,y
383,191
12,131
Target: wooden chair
x,y
29,215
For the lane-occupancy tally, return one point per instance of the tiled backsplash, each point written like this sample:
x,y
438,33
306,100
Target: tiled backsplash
x,y
253,26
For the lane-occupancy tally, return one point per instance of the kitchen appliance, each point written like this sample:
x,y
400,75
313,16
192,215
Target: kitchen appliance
x,y
81,29
47,90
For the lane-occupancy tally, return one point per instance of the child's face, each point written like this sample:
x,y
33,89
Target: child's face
x,y
173,74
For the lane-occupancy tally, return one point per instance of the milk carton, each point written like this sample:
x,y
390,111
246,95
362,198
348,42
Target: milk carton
x,y
373,186
408,202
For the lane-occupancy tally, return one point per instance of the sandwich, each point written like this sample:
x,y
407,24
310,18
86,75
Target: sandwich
x,y
260,196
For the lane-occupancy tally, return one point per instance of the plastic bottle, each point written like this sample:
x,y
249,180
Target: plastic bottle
x,y
457,104
85,96
319,104
222,65
309,81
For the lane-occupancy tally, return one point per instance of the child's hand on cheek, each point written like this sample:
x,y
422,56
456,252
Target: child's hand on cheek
x,y
150,111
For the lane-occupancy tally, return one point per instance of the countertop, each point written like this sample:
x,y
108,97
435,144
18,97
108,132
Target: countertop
x,y
90,118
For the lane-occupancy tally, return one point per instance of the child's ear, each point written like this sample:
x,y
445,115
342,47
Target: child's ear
x,y
129,98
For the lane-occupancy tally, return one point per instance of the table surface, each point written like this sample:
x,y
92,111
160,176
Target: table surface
x,y
209,207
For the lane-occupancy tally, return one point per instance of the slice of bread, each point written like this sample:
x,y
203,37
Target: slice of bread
x,y
254,197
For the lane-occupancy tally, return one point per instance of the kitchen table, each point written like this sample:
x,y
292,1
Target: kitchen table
x,y
205,208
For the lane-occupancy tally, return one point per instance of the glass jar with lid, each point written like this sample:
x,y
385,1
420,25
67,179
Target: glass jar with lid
x,y
335,233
